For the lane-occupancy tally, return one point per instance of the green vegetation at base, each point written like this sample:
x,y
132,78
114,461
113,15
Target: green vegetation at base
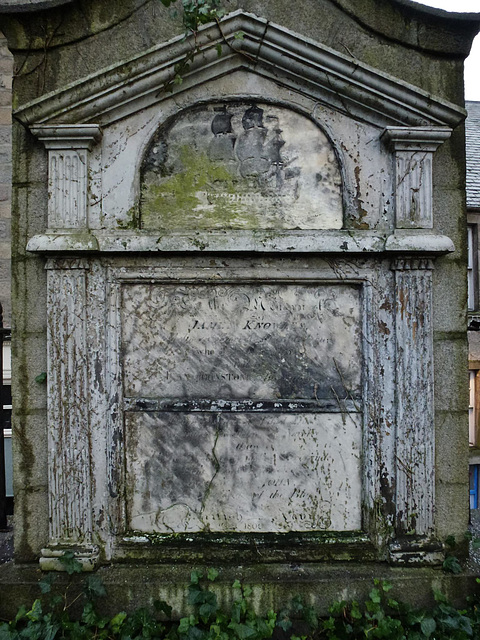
x,y
381,616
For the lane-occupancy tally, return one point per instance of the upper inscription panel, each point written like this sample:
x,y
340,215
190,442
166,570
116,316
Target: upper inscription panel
x,y
242,341
240,165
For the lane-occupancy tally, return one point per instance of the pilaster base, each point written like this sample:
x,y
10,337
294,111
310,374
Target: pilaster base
x,y
87,556
416,552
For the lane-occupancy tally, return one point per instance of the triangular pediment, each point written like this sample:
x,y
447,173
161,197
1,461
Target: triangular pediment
x,y
243,41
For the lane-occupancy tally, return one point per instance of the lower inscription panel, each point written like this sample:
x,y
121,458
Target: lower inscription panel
x,y
227,472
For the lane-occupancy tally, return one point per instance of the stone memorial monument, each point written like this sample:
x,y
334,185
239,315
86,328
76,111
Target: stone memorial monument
x,y
246,288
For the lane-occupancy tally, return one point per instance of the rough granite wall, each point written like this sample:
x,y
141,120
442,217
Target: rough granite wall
x,y
62,45
6,67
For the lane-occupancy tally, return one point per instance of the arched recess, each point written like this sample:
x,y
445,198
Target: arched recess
x,y
240,164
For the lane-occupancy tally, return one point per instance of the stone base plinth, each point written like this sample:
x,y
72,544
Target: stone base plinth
x,y
132,586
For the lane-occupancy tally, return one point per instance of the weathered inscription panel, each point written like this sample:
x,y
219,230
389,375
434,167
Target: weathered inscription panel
x,y
241,341
243,472
241,165
215,464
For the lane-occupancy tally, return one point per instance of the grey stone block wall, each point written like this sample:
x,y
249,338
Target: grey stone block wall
x,y
6,70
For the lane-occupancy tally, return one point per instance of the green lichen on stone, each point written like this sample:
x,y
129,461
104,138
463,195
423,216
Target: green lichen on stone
x,y
175,202
131,220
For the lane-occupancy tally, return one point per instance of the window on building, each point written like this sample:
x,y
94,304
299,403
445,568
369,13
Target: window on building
x,y
7,422
474,486
472,267
472,409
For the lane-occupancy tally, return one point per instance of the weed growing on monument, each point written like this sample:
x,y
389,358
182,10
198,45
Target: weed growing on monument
x,y
196,13
380,616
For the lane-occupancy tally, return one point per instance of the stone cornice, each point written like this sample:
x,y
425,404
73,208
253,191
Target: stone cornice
x,y
290,242
267,49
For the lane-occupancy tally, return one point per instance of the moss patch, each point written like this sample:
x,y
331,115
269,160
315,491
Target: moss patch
x,y
201,196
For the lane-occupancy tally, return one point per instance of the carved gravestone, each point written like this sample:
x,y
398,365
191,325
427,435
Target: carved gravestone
x,y
240,303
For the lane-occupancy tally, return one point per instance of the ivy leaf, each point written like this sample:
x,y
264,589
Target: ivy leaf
x,y
285,623
5,633
94,587
35,612
194,633
70,563
439,596
206,610
375,596
184,625
212,574
452,565
451,542
56,601
50,631
117,621
329,624
46,583
41,377
428,626
162,607
196,595
310,617
89,615
243,631
240,35
355,611
465,625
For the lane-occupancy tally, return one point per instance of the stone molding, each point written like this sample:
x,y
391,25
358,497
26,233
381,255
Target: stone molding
x,y
68,147
277,53
324,241
413,149
118,277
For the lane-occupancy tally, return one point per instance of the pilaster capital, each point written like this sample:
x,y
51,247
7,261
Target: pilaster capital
x,y
416,138
68,136
413,149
